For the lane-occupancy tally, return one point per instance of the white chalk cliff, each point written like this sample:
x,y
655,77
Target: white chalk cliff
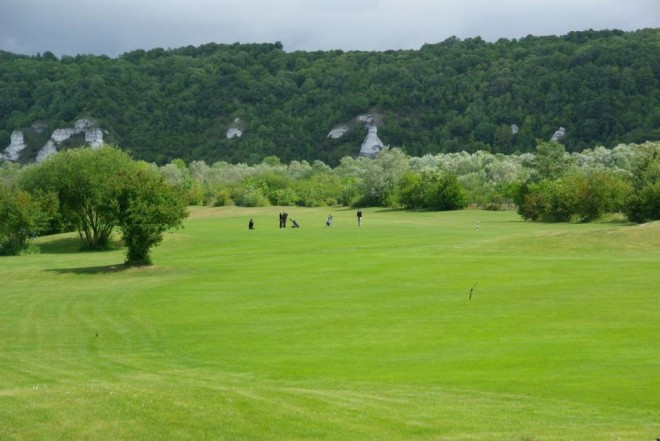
x,y
93,137
559,134
46,150
16,146
339,131
235,130
372,143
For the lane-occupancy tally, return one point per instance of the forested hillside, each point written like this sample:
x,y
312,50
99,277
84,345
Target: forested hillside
x,y
602,87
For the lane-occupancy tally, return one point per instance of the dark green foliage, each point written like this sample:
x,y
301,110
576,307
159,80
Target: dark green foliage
x,y
320,189
432,190
446,193
581,196
103,189
84,181
146,207
411,190
600,192
643,205
8,173
551,161
251,193
451,96
564,199
22,216
533,200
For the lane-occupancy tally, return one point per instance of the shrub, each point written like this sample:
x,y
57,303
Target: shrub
x,y
22,216
644,205
146,208
432,190
249,197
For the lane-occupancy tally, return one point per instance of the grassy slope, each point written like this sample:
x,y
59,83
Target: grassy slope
x,y
344,333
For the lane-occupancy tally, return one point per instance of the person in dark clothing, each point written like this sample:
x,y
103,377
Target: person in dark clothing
x,y
251,224
284,218
359,218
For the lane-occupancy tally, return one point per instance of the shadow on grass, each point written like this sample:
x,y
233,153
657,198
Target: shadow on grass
x,y
399,210
104,269
70,245
620,222
66,245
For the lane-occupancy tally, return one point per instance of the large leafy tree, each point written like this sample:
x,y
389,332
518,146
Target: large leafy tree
x,y
145,207
84,181
104,189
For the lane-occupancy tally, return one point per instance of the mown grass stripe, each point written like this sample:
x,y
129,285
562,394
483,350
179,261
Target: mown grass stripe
x,y
338,333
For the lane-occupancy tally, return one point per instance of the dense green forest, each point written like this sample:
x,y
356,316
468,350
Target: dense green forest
x,y
457,95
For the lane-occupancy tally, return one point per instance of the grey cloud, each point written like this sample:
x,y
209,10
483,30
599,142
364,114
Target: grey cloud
x,y
115,26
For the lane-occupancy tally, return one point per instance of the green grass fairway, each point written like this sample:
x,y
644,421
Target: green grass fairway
x,y
345,333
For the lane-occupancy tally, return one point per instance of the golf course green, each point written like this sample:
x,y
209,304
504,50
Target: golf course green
x,y
414,326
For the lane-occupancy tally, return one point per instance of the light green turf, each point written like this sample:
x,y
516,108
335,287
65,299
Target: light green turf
x,y
344,333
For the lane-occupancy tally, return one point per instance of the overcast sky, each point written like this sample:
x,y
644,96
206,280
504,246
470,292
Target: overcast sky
x,y
112,27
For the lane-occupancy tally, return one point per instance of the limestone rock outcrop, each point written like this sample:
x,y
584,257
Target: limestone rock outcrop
x,y
559,134
339,131
93,137
371,143
235,130
16,146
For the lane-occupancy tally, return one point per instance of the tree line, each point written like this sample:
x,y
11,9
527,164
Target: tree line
x,y
549,184
456,95
97,192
